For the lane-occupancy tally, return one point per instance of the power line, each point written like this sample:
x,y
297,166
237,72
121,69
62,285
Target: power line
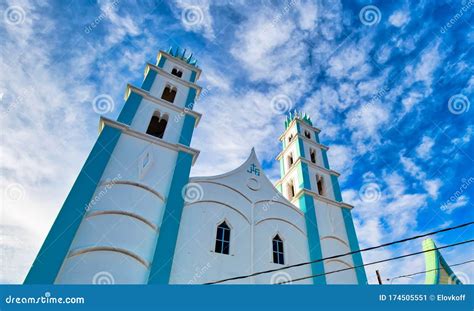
x,y
342,255
426,271
377,262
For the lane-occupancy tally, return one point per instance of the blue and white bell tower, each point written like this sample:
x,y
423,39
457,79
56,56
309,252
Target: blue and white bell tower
x,y
120,221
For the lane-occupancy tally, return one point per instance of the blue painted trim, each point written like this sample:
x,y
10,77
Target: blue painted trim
x,y
187,131
354,245
336,188
162,61
300,147
149,79
316,137
56,246
193,76
164,253
325,159
351,233
130,108
190,99
306,204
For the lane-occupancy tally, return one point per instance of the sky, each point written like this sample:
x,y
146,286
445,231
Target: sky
x,y
389,83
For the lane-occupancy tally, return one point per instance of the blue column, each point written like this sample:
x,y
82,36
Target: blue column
x,y
351,234
56,246
164,253
306,203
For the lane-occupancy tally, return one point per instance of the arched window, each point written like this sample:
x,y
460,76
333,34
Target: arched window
x,y
307,134
290,160
291,190
177,72
157,125
278,254
169,93
290,138
312,154
223,239
320,182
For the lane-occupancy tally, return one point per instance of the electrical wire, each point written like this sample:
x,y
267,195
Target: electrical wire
x,y
377,262
342,255
426,271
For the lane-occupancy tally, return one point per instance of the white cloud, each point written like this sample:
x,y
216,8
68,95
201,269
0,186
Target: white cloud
x,y
425,148
195,16
399,18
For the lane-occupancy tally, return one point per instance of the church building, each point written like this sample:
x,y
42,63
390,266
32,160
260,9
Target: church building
x,y
135,216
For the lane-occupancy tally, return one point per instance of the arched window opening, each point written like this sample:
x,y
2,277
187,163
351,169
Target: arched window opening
x,y
223,239
278,253
290,138
157,125
307,134
177,72
169,93
312,154
291,190
290,160
320,182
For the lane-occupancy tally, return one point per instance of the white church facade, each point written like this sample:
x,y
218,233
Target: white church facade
x,y
135,216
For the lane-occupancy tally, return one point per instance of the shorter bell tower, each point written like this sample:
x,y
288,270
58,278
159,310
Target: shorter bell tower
x,y
309,183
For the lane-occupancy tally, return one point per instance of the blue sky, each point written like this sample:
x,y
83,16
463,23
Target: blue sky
x,y
390,85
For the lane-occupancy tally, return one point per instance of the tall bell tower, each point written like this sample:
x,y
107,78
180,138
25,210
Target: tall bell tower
x,y
120,221
308,182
